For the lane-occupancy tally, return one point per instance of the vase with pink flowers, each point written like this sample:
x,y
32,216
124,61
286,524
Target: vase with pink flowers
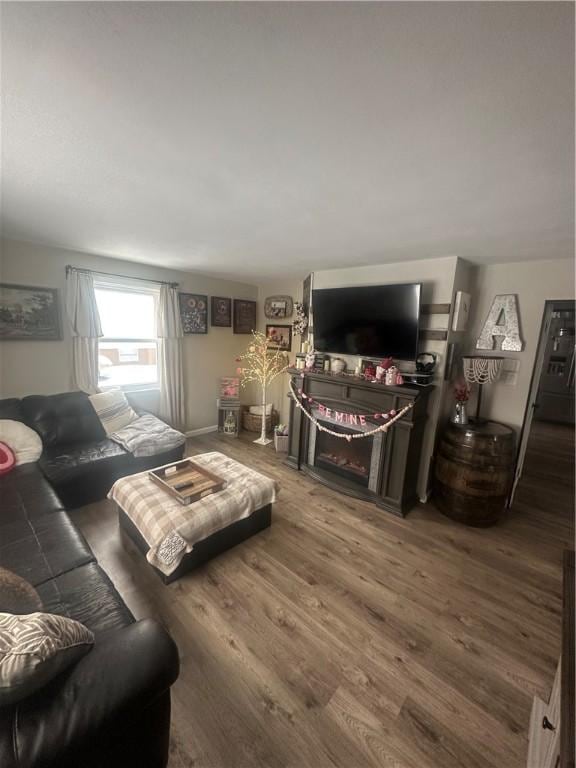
x,y
461,395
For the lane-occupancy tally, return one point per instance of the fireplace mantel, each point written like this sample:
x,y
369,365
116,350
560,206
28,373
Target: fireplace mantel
x,y
393,481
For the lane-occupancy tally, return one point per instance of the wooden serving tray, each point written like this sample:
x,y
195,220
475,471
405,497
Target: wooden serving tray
x,y
187,481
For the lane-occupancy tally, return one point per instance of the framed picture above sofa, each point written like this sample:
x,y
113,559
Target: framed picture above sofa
x,y
29,313
244,316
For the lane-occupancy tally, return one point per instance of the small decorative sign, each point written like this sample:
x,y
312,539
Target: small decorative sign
x,y
278,307
244,316
221,312
229,388
193,313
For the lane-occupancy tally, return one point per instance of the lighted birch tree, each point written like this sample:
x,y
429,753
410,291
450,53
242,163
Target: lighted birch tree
x,y
262,362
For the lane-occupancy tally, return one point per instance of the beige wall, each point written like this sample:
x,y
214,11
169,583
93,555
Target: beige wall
x,y
44,367
533,282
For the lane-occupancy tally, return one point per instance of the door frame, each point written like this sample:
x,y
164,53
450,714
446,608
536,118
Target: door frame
x,y
550,305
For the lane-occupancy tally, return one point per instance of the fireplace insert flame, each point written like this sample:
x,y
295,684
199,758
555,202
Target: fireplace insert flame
x,y
347,459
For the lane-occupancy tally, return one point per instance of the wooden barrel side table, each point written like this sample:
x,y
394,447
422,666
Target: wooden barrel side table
x,y
473,472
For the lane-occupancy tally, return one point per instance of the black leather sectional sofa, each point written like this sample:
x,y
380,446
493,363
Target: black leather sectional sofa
x,y
112,709
79,461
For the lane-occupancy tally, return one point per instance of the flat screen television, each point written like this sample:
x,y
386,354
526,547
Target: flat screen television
x,y
370,321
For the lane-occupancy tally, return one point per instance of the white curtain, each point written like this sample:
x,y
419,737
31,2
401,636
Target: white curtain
x,y
86,329
169,330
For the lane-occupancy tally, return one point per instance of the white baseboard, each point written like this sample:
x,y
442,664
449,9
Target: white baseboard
x,y
201,431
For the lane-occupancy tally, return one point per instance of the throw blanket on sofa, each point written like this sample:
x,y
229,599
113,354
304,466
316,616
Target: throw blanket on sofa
x,y
147,436
171,529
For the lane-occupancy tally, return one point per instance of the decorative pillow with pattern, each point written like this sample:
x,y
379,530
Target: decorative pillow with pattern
x,y
113,410
34,649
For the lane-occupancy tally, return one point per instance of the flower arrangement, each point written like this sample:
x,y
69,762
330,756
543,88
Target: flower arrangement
x,y
262,362
461,391
301,321
281,430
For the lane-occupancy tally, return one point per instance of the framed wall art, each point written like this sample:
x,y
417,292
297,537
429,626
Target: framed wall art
x,y
193,313
278,307
29,313
281,336
220,312
244,316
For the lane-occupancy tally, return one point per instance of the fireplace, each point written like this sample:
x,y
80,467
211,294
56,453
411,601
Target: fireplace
x,y
347,459
356,460
392,458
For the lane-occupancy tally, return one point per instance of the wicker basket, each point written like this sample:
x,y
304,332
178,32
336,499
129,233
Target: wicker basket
x,y
253,423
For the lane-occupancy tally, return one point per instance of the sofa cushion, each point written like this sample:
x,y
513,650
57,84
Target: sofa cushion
x,y
87,595
63,419
64,462
92,470
82,474
35,649
11,408
41,548
26,494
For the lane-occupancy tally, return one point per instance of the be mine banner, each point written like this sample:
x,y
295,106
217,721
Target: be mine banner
x,y
343,417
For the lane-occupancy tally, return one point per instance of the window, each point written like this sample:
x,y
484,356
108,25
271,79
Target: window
x,y
127,352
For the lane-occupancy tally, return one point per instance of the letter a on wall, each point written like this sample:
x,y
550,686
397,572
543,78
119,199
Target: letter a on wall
x,y
502,320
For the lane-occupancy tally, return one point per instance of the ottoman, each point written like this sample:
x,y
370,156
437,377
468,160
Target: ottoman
x,y
176,538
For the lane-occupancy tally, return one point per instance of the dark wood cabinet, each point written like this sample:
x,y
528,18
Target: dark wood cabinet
x,y
388,476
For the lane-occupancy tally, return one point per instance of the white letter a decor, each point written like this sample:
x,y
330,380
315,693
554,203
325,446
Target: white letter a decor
x,y
502,320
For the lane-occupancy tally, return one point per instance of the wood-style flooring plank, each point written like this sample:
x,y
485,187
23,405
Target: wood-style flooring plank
x,y
344,637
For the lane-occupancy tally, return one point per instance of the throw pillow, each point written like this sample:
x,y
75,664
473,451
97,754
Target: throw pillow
x,y
256,410
16,594
7,459
34,649
25,443
113,410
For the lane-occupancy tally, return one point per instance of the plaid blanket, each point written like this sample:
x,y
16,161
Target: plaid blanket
x,y
170,528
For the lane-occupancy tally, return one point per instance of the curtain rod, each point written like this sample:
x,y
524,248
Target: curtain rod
x,y
69,268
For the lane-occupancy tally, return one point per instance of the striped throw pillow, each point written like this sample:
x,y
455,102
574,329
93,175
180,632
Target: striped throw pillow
x,y
34,649
113,410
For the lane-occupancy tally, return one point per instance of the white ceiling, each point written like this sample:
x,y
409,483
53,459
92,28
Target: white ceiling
x,y
254,139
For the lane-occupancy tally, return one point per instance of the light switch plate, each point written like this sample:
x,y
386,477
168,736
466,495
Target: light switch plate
x,y
509,372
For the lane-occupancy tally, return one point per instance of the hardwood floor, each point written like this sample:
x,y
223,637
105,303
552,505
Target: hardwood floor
x,y
343,636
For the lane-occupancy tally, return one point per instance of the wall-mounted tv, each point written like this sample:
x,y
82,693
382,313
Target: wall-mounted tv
x,y
370,321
